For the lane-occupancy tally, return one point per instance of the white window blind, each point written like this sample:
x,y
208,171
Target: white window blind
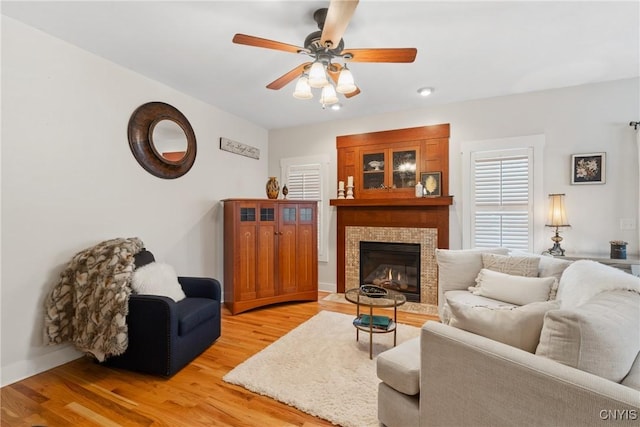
x,y
304,182
501,198
305,179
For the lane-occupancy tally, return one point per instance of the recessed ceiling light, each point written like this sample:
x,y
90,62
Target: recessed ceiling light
x,y
336,107
425,91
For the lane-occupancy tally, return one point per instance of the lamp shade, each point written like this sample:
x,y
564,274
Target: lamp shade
x,y
345,81
557,214
328,95
303,90
317,75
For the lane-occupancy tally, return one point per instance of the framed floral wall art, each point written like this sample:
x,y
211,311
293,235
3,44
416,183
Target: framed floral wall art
x,y
588,168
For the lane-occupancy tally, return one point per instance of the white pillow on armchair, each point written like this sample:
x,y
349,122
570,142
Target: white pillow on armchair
x,y
157,278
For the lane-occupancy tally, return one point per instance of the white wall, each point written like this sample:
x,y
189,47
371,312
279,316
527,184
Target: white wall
x,y
69,180
581,119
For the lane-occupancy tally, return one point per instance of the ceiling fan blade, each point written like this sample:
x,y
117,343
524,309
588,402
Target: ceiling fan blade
x,y
382,55
334,73
338,17
285,79
266,43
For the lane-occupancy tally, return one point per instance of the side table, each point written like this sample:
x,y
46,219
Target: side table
x,y
362,300
628,265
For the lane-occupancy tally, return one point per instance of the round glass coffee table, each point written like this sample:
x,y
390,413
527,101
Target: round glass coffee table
x,y
369,296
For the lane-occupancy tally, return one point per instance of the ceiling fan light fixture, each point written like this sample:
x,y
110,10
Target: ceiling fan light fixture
x,y
303,90
345,81
317,75
328,95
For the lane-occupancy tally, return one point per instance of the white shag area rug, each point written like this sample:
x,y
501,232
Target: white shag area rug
x,y
320,369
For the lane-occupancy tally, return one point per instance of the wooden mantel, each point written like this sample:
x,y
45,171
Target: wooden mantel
x,y
417,201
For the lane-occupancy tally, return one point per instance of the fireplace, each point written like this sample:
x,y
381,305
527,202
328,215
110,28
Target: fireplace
x,y
393,266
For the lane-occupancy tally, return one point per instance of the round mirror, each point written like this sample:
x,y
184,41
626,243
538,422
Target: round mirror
x,y
168,140
162,140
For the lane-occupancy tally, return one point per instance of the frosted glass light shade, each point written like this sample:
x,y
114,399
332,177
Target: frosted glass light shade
x,y
303,90
345,81
317,75
328,95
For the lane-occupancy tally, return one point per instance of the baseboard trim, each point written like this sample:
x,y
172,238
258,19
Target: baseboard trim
x,y
27,368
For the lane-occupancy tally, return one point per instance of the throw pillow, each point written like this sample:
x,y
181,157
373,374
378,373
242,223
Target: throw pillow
x,y
518,327
157,279
514,265
600,336
583,279
514,289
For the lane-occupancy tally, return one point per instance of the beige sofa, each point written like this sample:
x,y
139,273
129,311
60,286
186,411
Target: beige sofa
x,y
584,368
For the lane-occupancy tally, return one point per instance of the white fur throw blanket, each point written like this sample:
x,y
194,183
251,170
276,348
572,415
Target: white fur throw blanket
x,y
90,303
584,279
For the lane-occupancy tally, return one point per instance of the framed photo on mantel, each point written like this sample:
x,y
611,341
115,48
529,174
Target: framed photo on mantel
x,y
431,183
588,168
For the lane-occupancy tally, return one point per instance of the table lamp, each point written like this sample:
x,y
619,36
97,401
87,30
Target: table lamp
x,y
557,218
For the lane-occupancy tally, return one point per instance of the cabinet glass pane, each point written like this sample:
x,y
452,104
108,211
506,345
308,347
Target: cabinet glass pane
x,y
289,214
305,214
372,170
404,169
247,214
267,214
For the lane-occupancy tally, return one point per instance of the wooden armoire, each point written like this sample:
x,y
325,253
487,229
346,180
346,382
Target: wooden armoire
x,y
270,252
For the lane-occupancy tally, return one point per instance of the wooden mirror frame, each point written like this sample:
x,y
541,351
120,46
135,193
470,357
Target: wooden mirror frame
x,y
140,129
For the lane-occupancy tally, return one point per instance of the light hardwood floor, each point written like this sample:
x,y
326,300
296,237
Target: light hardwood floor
x,y
83,393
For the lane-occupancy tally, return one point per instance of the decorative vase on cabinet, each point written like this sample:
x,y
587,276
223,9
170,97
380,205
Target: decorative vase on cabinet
x,y
273,188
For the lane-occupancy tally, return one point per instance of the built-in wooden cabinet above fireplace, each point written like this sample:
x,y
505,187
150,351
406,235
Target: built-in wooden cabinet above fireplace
x,y
388,164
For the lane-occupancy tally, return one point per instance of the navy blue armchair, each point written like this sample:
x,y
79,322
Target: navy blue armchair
x,y
164,335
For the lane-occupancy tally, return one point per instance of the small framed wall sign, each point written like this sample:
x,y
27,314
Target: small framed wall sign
x,y
588,168
431,183
236,147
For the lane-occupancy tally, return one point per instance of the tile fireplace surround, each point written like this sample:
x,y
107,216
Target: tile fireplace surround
x,y
427,238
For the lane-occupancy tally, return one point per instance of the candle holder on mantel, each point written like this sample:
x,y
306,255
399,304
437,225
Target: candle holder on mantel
x,y
349,191
340,193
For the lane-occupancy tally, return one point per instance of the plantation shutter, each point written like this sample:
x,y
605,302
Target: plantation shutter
x,y
304,182
501,195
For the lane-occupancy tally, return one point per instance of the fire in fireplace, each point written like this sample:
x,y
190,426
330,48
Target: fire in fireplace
x,y
392,266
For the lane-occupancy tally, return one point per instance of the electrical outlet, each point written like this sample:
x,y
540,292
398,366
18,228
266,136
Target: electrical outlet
x,y
627,223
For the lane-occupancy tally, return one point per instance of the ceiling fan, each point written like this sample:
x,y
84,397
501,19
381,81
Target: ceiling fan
x,y
326,49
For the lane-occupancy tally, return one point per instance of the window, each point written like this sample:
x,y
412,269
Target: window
x,y
305,178
500,199
503,198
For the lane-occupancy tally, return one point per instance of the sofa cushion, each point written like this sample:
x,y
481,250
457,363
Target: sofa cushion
x,y
466,297
399,367
194,311
600,336
583,279
514,289
157,279
516,326
516,265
